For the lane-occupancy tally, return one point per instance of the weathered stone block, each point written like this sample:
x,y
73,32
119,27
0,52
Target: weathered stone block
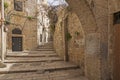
x,y
92,57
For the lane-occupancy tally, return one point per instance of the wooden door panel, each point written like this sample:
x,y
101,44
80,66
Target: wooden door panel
x,y
116,64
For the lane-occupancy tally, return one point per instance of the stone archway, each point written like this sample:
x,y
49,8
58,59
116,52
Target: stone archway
x,y
82,9
96,30
76,50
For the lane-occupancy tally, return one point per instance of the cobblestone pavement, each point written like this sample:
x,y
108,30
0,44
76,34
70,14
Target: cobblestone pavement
x,y
39,65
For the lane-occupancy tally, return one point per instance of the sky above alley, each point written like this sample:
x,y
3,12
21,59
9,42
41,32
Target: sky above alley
x,y
56,2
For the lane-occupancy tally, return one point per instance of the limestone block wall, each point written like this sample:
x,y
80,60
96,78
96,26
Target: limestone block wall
x,y
58,38
93,16
100,12
30,7
29,33
75,43
94,20
20,19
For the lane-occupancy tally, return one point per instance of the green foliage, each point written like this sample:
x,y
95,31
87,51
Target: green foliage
x,y
7,23
52,28
77,33
29,17
6,5
68,35
69,8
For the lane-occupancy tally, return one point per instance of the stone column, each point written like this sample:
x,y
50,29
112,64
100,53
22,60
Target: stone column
x,y
92,57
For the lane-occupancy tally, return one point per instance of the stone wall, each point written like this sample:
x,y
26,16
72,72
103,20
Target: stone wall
x,y
75,44
58,38
100,12
29,33
94,19
23,21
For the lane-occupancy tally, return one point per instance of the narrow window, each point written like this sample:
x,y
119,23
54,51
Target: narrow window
x,y
18,6
117,18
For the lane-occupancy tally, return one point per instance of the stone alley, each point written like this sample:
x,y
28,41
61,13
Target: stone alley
x,y
42,64
59,39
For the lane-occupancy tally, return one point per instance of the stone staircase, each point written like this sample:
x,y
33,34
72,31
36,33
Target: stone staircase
x,y
41,54
41,64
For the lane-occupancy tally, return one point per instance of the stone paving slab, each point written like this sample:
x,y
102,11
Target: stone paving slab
x,y
33,58
39,65
46,52
40,52
45,47
31,55
61,75
44,66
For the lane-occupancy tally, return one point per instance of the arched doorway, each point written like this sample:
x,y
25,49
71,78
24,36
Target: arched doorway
x,y
17,40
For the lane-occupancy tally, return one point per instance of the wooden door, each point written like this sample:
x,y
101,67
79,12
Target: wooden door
x,y
116,64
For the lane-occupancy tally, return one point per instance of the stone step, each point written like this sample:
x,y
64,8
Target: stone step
x,y
32,59
45,49
32,55
32,52
39,67
55,75
45,52
47,46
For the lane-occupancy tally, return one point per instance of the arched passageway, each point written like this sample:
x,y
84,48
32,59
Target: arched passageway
x,y
95,22
83,35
